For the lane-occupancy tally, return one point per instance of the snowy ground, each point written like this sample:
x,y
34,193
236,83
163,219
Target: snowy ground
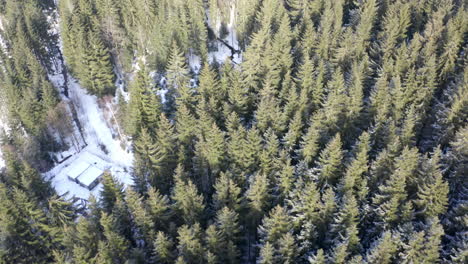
x,y
64,186
2,162
223,52
95,145
100,143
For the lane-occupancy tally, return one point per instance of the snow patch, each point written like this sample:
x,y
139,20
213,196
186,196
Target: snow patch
x,y
195,63
223,52
100,142
59,176
2,161
97,133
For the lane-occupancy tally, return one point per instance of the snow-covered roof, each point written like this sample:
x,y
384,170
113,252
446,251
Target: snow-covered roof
x,y
76,169
90,175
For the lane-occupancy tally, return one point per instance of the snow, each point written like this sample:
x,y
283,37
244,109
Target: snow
x,y
77,168
2,162
96,144
195,63
86,160
223,52
97,133
102,150
90,175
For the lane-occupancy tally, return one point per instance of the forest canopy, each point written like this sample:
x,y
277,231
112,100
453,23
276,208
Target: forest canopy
x,y
331,131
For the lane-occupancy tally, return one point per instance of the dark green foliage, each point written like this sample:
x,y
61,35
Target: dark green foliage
x,y
334,133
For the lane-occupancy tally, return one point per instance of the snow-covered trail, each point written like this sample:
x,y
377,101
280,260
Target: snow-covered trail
x,y
102,150
97,132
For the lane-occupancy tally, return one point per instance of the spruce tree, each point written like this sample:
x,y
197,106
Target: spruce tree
x,y
116,245
227,193
392,199
188,204
433,192
355,178
158,208
330,161
176,73
190,246
163,248
227,223
99,77
111,192
258,197
384,249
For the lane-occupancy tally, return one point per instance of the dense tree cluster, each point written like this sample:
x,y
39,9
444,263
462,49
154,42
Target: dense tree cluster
x,y
341,137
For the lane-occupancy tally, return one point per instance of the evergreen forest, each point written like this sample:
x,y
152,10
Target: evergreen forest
x,y
329,132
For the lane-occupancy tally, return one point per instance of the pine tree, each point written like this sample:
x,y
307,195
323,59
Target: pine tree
x,y
367,18
433,194
243,149
267,254
143,164
60,212
116,244
190,245
384,249
355,180
227,193
294,131
163,248
340,253
188,204
84,244
393,206
159,208
269,154
164,163
253,68
287,249
99,78
111,191
268,114
213,244
176,73
397,20
209,88
141,218
424,247
144,106
345,224
229,234
237,94
330,161
258,197
186,131
274,226
318,258
311,141
327,210
279,59
310,91
305,203
209,157
198,33
27,234
285,177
